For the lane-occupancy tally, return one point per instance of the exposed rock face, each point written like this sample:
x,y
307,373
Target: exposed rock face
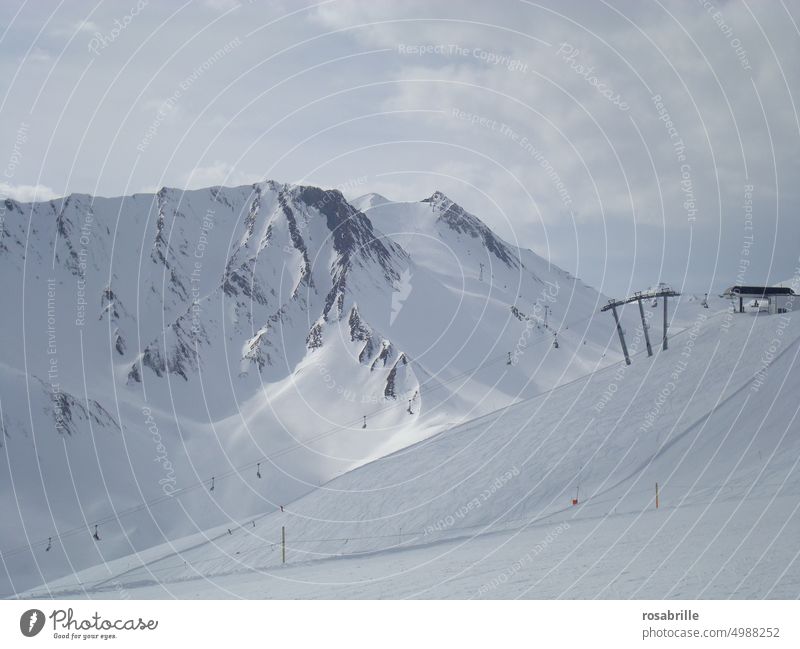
x,y
384,357
390,391
361,332
273,278
459,220
69,414
314,338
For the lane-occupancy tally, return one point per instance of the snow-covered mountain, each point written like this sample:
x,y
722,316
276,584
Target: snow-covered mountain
x,y
156,341
675,477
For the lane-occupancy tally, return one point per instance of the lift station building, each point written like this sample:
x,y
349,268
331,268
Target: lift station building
x,y
779,299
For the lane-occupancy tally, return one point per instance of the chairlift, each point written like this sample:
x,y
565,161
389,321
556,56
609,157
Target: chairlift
x,y
49,544
258,470
96,534
555,341
410,411
508,362
212,483
364,425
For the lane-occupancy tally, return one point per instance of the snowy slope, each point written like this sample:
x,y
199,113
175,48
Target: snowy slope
x,y
156,341
484,509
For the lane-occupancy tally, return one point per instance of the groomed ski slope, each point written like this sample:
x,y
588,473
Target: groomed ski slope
x,y
484,509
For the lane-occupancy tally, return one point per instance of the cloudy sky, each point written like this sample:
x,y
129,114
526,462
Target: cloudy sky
x,y
630,142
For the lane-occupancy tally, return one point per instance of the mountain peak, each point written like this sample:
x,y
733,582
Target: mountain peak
x,y
457,219
438,199
369,201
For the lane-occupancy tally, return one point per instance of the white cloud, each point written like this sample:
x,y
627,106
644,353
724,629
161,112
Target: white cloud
x,y
27,193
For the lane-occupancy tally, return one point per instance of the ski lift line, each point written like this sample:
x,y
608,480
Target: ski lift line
x,y
343,539
183,563
497,359
496,528
183,490
491,361
238,470
527,520
235,471
504,526
156,501
238,554
135,509
226,556
200,575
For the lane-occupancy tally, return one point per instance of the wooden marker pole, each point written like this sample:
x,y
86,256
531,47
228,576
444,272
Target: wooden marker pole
x,y
656,495
283,544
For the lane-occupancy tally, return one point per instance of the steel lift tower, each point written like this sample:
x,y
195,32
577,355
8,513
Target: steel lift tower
x,y
662,292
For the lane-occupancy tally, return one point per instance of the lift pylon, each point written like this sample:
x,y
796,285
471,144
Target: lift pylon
x,y
644,326
663,292
613,304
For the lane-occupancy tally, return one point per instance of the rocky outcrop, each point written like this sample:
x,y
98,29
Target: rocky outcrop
x,y
69,413
457,219
390,391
